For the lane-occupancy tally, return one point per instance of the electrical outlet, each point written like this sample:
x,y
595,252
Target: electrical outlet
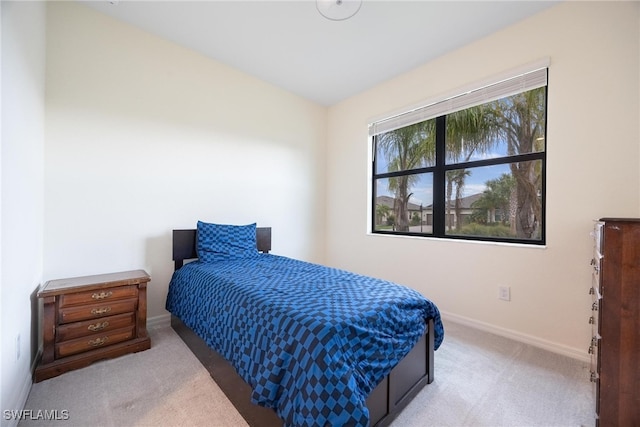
x,y
18,347
504,293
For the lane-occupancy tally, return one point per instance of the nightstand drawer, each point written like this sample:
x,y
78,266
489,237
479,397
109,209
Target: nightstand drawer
x,y
90,327
85,312
81,345
122,292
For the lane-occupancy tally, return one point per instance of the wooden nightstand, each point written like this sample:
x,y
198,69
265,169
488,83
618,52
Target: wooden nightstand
x,y
91,318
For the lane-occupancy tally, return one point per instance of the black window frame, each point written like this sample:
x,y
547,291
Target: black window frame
x,y
439,186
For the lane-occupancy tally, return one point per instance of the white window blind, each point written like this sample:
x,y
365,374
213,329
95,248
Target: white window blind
x,y
521,82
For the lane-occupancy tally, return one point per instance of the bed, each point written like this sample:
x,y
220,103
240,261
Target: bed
x,y
354,353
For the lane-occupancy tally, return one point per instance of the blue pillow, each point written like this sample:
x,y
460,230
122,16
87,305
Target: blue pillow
x,y
218,242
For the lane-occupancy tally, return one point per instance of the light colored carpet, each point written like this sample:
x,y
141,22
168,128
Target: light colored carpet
x,y
163,386
481,380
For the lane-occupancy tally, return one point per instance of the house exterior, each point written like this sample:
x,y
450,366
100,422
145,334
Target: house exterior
x,y
386,209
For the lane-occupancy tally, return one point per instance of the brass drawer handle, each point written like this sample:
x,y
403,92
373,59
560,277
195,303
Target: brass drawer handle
x,y
98,326
100,310
98,342
102,295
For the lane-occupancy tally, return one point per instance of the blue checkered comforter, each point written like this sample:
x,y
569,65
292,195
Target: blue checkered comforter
x,y
311,341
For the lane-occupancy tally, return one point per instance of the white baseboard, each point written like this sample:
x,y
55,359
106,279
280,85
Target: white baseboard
x,y
159,321
553,347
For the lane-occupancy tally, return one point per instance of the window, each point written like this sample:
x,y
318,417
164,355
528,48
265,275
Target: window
x,y
471,167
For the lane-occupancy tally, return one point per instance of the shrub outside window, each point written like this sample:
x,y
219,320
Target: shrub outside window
x,y
475,173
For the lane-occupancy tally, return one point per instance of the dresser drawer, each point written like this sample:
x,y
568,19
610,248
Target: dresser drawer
x,y
80,345
91,318
95,326
94,311
122,292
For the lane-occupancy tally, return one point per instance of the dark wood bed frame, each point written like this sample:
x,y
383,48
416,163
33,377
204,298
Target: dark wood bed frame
x,y
384,403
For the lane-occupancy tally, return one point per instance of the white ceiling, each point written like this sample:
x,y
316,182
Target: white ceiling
x,y
289,44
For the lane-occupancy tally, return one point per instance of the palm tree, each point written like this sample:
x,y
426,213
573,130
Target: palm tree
x,y
520,119
449,218
468,131
458,180
496,196
455,178
405,149
382,211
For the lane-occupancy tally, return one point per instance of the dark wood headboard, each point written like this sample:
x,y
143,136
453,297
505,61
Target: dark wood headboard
x,y
184,244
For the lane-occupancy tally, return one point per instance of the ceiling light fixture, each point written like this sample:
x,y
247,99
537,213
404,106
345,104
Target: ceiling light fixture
x,y
338,10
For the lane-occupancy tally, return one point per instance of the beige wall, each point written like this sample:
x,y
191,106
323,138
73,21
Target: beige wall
x,y
592,171
143,136
21,197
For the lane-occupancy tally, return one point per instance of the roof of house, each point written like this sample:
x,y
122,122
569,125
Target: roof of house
x,y
466,202
389,201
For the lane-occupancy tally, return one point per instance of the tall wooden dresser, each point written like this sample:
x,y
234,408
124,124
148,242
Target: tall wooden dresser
x,y
615,346
90,318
